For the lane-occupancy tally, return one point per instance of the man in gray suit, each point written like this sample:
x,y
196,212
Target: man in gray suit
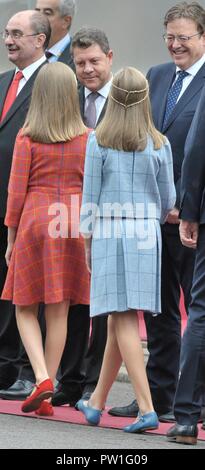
x,y
175,90
26,36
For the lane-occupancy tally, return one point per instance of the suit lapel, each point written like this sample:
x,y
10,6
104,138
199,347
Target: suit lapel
x,y
66,57
166,84
5,84
102,113
82,105
82,101
196,84
22,96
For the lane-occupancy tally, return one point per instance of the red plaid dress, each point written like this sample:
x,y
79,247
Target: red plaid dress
x,y
45,191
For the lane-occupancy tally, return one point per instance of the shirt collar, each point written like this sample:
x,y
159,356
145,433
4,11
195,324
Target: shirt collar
x,y
195,67
104,91
28,71
59,46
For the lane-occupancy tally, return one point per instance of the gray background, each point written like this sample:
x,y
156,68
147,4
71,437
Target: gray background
x,y
134,28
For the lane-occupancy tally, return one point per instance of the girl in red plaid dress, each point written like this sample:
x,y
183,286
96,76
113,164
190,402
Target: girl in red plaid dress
x,y
45,254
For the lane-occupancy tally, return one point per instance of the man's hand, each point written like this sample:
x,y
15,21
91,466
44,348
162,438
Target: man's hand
x,y
189,233
173,216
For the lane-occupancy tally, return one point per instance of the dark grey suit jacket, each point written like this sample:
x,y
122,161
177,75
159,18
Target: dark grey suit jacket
x,y
160,79
66,57
9,128
13,122
193,169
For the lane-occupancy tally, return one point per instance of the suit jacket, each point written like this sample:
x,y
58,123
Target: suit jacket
x,y
193,169
14,121
66,57
160,80
9,128
82,105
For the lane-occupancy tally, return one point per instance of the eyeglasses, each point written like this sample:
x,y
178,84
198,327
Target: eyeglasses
x,y
169,38
16,35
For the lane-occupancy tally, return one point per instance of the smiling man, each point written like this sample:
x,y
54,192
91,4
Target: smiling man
x,y
175,90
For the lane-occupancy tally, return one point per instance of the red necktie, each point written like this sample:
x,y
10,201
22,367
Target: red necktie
x,y
11,94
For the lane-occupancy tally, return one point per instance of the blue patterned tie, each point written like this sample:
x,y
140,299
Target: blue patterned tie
x,y
173,95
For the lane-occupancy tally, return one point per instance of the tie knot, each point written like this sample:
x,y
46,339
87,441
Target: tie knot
x,y
182,74
48,54
19,75
93,96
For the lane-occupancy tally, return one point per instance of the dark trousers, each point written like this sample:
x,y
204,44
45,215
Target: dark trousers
x,y
164,331
188,398
9,336
91,362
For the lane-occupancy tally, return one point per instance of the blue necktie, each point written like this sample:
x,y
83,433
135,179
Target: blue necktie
x,y
173,95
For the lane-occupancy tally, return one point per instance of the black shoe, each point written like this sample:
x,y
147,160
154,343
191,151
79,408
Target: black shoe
x,y
167,417
65,395
183,434
129,411
20,390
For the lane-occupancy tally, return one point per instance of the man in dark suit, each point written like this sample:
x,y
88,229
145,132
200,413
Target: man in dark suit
x,y
26,37
93,61
173,111
60,15
187,405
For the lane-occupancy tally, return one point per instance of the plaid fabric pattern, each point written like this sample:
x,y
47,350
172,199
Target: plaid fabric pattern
x,y
126,271
42,268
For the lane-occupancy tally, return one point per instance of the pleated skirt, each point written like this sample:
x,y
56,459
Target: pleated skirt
x,y
126,266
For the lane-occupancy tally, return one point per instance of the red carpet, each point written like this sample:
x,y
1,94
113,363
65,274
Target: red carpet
x,y
70,415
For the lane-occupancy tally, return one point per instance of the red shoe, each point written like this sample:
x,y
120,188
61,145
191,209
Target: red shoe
x,y
43,391
45,409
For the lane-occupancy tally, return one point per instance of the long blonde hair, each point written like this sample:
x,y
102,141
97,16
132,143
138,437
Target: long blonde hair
x,y
54,112
128,119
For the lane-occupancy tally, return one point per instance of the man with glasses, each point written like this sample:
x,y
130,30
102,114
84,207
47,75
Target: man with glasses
x,y
26,37
175,90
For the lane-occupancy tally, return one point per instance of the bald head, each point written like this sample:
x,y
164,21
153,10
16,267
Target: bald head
x,y
27,35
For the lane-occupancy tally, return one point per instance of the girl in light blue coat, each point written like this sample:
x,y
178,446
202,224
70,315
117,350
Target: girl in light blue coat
x,y
128,191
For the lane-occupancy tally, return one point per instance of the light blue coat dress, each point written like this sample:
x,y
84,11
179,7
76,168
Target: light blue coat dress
x,y
126,195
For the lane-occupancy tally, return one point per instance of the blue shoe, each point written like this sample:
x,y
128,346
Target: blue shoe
x,y
146,422
92,415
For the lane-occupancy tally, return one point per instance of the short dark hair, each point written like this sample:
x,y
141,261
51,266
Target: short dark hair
x,y
40,24
191,11
85,37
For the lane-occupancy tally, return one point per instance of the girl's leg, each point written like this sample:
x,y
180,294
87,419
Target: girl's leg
x,y
56,332
110,366
127,333
29,329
